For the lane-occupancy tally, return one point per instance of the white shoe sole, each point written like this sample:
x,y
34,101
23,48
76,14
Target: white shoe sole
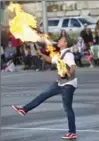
x,y
69,138
17,110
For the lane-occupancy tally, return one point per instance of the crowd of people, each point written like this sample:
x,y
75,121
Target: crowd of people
x,y
83,50
13,51
16,52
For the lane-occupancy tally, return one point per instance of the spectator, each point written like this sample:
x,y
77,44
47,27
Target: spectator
x,y
87,36
15,42
97,26
27,57
46,65
89,57
2,58
95,53
2,51
80,44
77,55
37,62
10,53
97,37
4,37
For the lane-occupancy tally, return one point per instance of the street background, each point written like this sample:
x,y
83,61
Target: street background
x,y
48,122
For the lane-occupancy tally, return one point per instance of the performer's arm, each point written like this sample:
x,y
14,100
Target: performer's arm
x,y
45,57
71,63
72,70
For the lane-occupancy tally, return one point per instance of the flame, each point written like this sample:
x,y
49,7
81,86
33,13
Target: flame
x,y
24,27
15,7
20,25
49,45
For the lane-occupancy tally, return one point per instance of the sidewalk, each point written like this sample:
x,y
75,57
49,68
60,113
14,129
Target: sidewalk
x,y
19,68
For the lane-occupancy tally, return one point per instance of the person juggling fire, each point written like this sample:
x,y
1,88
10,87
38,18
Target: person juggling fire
x,y
66,82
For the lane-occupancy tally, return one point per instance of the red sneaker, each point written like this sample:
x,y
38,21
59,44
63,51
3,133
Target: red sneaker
x,y
19,110
69,136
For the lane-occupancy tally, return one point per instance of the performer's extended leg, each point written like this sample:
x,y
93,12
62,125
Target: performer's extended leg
x,y
51,91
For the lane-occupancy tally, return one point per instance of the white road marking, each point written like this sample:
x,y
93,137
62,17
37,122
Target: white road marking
x,y
11,75
49,129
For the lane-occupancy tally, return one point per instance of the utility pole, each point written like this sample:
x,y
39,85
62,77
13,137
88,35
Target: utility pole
x,y
1,11
44,16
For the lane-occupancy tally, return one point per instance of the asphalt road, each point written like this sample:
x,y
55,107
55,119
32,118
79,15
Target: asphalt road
x,y
48,122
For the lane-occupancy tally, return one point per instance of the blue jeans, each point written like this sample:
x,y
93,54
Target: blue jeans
x,y
67,92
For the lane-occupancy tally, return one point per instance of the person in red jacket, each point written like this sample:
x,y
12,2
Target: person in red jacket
x,y
16,43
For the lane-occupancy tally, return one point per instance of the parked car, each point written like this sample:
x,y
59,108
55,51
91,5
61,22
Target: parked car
x,y
70,24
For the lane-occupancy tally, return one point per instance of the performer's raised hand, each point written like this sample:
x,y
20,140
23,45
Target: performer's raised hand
x,y
38,52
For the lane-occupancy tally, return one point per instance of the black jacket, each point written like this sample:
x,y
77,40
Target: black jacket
x,y
97,40
86,37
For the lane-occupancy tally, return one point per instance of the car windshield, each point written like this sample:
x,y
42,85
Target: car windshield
x,y
87,21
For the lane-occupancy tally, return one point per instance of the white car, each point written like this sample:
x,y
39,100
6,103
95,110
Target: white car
x,y
70,24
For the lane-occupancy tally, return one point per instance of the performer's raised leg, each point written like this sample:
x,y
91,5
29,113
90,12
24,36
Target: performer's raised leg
x,y
51,91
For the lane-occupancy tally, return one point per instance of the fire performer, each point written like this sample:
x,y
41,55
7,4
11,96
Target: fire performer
x,y
66,82
65,85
